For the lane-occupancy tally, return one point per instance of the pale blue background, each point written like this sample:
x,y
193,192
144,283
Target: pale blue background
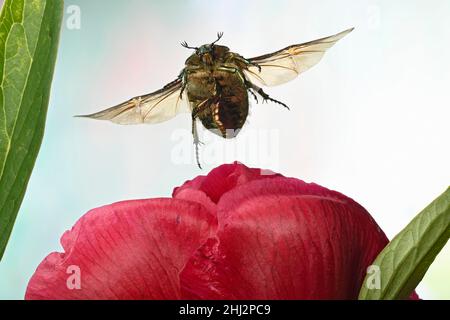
x,y
371,120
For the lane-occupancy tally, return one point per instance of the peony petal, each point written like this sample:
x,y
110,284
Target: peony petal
x,y
237,233
128,250
224,178
281,238
198,197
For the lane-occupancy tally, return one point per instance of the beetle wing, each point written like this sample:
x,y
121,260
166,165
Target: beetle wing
x,y
154,107
286,64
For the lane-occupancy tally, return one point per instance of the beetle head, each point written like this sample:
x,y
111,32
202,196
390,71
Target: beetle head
x,y
206,51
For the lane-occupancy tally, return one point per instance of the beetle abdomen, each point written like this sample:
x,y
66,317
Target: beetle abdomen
x,y
220,101
226,115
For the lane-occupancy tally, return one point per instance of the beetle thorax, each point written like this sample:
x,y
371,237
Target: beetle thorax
x,y
209,53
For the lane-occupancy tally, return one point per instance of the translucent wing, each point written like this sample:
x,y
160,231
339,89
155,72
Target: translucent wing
x,y
155,107
286,64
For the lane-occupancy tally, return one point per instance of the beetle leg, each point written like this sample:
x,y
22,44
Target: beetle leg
x,y
251,89
197,141
255,65
265,96
199,108
183,76
253,94
244,61
250,63
234,70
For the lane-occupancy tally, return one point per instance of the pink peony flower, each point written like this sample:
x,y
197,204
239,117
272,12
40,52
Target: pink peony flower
x,y
236,233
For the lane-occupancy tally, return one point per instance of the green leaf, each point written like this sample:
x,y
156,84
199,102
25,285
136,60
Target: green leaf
x,y
404,261
29,35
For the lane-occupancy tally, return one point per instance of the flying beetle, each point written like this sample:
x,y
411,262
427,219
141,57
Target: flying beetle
x,y
215,84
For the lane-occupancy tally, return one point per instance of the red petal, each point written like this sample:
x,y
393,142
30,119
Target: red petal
x,y
128,250
224,178
281,238
199,197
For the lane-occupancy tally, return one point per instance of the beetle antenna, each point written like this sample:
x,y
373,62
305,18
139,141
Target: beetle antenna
x,y
184,44
219,36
